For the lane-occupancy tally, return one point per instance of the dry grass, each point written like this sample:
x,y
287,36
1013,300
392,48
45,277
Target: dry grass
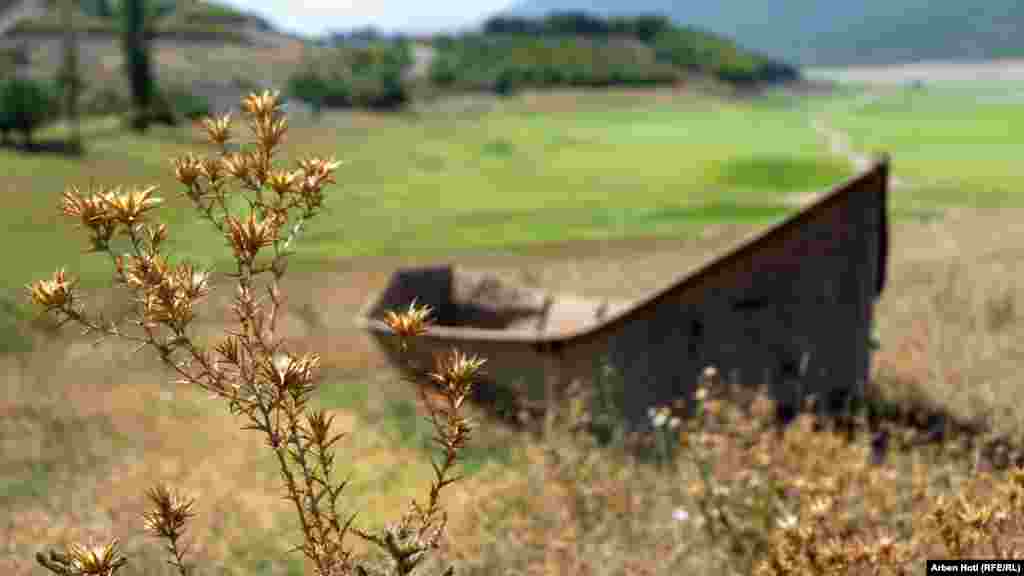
x,y
950,321
568,505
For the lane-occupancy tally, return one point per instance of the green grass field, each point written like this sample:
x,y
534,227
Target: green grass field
x,y
960,142
510,178
529,171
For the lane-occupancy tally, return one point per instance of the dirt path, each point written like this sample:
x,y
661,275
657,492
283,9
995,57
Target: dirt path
x,y
839,142
839,145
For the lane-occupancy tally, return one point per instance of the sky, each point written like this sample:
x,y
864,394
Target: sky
x,y
315,17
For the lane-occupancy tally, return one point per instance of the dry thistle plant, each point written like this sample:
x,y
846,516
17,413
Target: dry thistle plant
x,y
770,518
250,368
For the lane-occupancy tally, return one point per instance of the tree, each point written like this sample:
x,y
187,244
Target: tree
x,y
97,8
135,44
70,80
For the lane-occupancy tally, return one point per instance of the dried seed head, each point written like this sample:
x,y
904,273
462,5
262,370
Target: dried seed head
x,y
788,522
258,167
456,371
821,506
230,350
319,167
270,132
187,169
95,560
235,163
292,373
90,210
212,169
170,512
56,293
139,272
410,323
281,181
282,362
261,105
131,207
194,283
218,130
247,238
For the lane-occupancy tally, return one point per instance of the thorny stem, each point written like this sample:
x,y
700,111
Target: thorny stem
x,y
272,395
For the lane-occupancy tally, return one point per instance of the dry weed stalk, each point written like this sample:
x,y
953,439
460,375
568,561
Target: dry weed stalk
x,y
250,367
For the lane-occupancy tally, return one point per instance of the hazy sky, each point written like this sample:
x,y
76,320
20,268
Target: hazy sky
x,y
314,17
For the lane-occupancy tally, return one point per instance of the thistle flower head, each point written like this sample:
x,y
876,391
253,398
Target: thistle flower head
x,y
412,322
264,104
130,207
456,371
170,512
95,560
218,130
248,237
56,293
187,168
90,210
281,181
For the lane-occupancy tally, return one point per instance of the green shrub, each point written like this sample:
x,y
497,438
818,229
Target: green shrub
x,y
442,71
310,87
509,80
25,106
700,51
370,77
381,91
183,102
105,101
579,49
642,27
161,110
510,62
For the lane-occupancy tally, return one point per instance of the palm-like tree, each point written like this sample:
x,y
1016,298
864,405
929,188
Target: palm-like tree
x,y
70,78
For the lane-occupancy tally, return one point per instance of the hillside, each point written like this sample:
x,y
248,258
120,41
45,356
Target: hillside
x,y
173,16
815,33
215,51
587,50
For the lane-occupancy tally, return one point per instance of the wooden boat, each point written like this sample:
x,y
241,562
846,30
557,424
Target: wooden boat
x,y
791,308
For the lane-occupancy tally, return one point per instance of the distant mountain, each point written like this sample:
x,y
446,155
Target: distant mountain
x,y
833,33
